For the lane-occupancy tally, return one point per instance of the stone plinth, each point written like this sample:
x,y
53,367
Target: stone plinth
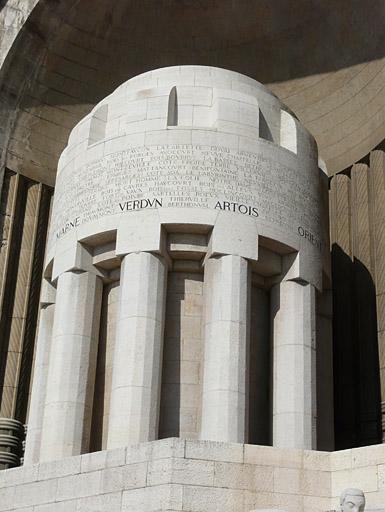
x,y
170,475
11,438
196,476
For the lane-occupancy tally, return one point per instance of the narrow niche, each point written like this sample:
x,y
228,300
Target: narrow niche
x,y
103,378
98,125
260,410
172,115
288,132
180,406
264,129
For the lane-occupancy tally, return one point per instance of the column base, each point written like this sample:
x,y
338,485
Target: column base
x,y
11,443
175,475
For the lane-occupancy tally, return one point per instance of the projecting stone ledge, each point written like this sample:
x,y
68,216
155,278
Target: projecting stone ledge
x,y
174,475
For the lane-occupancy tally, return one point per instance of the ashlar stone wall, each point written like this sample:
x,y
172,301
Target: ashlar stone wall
x,y
180,405
174,475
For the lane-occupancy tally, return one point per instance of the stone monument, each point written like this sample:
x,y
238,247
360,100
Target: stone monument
x,y
204,175
183,269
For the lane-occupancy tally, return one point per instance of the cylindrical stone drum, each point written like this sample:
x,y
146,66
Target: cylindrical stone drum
x,y
198,192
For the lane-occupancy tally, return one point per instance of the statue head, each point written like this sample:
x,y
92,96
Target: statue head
x,y
352,500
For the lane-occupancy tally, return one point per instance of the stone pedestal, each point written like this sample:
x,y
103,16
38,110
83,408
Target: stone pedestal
x,y
11,437
190,475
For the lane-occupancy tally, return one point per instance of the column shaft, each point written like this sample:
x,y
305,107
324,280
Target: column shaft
x,y
294,409
136,377
39,384
72,362
226,291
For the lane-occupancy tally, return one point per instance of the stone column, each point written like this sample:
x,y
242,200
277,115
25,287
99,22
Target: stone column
x,y
226,345
136,374
72,363
293,322
40,374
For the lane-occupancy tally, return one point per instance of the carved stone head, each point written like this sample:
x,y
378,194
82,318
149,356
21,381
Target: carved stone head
x,y
352,500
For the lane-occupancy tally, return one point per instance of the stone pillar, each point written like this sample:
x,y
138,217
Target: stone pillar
x,y
40,374
226,345
293,319
136,374
72,362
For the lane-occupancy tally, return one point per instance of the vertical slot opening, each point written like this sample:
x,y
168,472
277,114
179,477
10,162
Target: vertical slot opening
x,y
264,129
288,132
98,125
180,407
172,114
259,416
103,380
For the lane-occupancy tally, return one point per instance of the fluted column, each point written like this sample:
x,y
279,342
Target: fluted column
x,y
40,375
226,344
294,409
136,377
72,362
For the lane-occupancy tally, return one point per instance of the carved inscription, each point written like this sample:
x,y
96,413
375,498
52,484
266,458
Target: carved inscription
x,y
186,176
304,233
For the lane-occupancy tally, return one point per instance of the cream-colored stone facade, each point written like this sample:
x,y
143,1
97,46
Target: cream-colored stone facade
x,y
185,178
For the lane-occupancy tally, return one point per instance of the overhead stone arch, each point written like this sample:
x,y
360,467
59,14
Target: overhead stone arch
x,y
61,57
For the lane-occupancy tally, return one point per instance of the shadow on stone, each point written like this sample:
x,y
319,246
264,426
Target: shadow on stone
x,y
357,402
